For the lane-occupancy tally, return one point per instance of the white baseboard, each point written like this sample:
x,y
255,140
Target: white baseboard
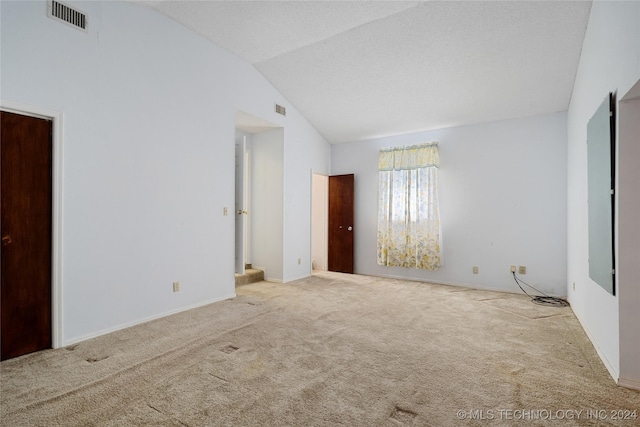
x,y
459,285
144,320
297,278
603,357
627,383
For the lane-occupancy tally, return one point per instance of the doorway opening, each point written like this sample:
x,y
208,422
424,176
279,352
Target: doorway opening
x,y
258,199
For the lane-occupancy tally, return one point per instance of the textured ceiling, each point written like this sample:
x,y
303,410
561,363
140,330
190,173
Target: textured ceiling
x,y
365,69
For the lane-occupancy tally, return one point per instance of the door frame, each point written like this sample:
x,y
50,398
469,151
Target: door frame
x,y
56,118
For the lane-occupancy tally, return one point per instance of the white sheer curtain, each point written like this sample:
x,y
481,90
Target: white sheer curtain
x,y
408,214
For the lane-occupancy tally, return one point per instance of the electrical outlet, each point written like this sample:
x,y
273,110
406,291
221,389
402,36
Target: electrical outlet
x,y
522,270
475,270
574,286
513,269
299,261
225,211
176,286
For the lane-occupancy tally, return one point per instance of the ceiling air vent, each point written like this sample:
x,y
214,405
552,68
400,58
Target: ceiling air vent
x,y
281,110
68,15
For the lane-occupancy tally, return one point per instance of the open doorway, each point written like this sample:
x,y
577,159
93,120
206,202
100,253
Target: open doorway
x,y
258,199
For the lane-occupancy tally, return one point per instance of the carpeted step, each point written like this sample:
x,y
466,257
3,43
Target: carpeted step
x,y
251,275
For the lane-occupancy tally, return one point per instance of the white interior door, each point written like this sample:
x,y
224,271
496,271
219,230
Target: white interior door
x,y
240,208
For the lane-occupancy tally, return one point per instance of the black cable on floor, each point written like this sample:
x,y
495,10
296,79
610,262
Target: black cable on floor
x,y
542,300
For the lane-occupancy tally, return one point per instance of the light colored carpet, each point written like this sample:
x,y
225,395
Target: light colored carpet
x,y
329,350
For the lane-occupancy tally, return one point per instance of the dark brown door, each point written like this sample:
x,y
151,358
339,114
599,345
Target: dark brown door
x,y
26,158
340,257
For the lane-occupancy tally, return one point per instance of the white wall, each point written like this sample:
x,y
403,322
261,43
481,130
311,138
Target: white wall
x,y
628,208
610,62
502,191
301,159
266,218
319,221
149,110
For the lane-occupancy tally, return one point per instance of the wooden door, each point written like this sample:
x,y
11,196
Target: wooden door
x,y
26,162
340,236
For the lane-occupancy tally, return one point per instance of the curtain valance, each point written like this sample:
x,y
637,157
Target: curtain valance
x,y
412,157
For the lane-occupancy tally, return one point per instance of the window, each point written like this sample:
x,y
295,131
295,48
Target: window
x,y
408,213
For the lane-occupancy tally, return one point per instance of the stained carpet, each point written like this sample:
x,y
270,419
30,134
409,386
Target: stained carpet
x,y
329,350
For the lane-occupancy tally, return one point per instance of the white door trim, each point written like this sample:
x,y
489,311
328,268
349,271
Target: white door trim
x,y
56,214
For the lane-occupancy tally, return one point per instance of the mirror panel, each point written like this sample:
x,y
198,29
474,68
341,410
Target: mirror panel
x,y
601,180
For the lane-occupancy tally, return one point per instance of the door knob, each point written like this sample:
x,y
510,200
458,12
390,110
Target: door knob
x,y
6,240
240,212
350,228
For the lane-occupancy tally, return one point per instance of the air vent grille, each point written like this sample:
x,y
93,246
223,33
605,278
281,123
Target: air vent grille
x,y
281,110
68,15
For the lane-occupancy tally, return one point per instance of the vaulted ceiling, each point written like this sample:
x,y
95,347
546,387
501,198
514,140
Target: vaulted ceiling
x,y
364,69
